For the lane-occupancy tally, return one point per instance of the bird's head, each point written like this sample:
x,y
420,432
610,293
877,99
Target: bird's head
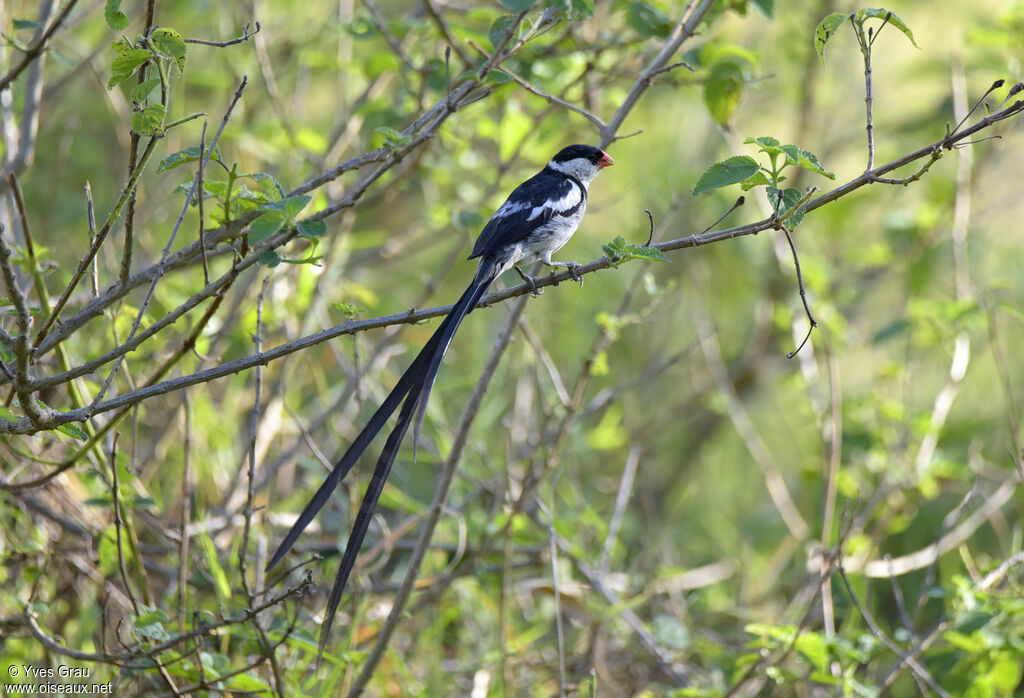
x,y
581,161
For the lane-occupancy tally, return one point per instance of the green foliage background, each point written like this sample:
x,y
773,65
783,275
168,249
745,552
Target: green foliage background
x,y
678,370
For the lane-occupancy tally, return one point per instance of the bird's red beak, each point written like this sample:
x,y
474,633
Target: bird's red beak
x,y
605,161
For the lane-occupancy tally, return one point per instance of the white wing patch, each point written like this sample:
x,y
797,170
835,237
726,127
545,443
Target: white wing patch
x,y
571,199
510,207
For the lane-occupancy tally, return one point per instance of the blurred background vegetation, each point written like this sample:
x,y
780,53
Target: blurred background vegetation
x,y
611,529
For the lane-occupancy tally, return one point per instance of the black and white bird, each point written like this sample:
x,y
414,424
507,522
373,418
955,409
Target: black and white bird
x,y
536,220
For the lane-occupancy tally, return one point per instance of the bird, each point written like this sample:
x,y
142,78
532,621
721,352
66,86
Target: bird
x,y
534,222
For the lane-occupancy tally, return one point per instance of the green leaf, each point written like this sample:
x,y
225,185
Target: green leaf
x,y
151,618
517,5
217,573
266,225
887,17
728,171
722,91
264,177
392,138
499,28
498,77
189,154
73,431
647,19
169,44
790,197
580,9
812,646
651,254
769,144
311,229
116,19
826,29
142,90
125,65
792,154
293,204
348,309
16,43
619,252
809,161
767,7
149,121
247,683
269,259
25,24
759,179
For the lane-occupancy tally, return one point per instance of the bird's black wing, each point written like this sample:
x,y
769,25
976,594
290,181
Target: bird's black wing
x,y
527,208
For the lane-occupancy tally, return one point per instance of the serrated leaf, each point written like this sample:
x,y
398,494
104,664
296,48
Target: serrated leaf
x,y
647,19
73,431
499,28
116,19
790,197
189,154
722,91
651,254
809,161
265,226
792,153
125,65
269,259
889,18
348,309
826,29
759,179
311,229
264,177
517,5
149,121
169,44
770,146
728,171
142,90
293,204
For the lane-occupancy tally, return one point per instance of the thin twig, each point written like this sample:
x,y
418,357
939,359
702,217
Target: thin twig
x,y
36,49
803,293
246,35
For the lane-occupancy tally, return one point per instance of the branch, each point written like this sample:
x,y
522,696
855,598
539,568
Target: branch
x,y
36,49
246,34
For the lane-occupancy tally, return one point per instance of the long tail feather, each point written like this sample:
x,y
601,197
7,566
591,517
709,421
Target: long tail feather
x,y
412,378
485,275
426,375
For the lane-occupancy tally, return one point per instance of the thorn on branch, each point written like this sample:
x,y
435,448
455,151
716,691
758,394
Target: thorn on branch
x,y
650,236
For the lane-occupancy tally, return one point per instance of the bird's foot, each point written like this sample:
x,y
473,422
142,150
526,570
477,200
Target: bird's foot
x,y
574,272
534,291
